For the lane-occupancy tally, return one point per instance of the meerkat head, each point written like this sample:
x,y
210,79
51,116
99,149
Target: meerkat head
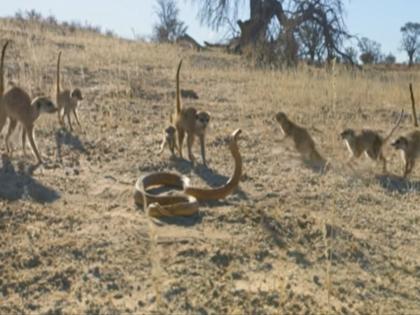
x,y
348,134
400,144
284,122
77,94
281,117
202,120
44,105
170,131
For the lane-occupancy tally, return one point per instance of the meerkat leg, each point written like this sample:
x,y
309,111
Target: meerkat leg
x,y
30,132
12,126
383,160
181,135
407,168
77,118
69,121
162,146
62,114
173,146
203,149
24,141
60,120
190,142
410,167
172,149
3,119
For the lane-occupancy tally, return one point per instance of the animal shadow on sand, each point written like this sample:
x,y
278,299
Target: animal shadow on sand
x,y
319,167
64,137
394,183
184,221
15,185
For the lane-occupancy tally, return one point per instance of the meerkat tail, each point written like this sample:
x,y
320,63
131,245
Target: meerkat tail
x,y
178,96
394,128
58,74
3,51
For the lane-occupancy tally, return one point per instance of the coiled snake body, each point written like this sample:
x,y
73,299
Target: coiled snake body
x,y
184,203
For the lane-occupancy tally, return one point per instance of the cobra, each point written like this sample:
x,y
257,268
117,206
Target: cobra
x,y
186,202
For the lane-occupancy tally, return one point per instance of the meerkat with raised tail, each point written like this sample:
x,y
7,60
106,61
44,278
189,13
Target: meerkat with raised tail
x,y
67,101
191,122
369,142
17,106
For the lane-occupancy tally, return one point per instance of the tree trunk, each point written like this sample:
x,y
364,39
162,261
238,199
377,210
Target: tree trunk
x,y
410,58
255,8
312,56
261,13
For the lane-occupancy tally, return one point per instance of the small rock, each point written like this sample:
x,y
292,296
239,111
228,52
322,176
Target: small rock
x,y
118,296
316,280
96,272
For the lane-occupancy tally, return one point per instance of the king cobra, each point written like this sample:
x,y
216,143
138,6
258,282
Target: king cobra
x,y
184,203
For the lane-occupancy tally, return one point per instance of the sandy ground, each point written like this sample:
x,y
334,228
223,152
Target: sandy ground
x,y
289,240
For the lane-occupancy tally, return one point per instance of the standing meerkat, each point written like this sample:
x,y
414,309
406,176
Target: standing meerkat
x,y
67,101
369,142
304,143
410,150
190,121
17,106
169,139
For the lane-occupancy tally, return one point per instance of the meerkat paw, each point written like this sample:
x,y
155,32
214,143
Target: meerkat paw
x,y
192,160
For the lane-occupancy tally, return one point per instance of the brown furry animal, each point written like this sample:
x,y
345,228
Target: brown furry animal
x,y
169,139
304,143
367,141
191,122
17,106
410,150
67,101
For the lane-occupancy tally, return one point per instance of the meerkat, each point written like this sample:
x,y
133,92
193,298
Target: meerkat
x,y
410,150
190,121
369,142
304,143
17,106
67,101
169,139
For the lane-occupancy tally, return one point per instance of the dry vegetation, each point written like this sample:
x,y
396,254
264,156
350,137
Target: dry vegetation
x,y
288,241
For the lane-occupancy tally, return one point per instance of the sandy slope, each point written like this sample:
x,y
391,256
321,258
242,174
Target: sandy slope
x,y
288,241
